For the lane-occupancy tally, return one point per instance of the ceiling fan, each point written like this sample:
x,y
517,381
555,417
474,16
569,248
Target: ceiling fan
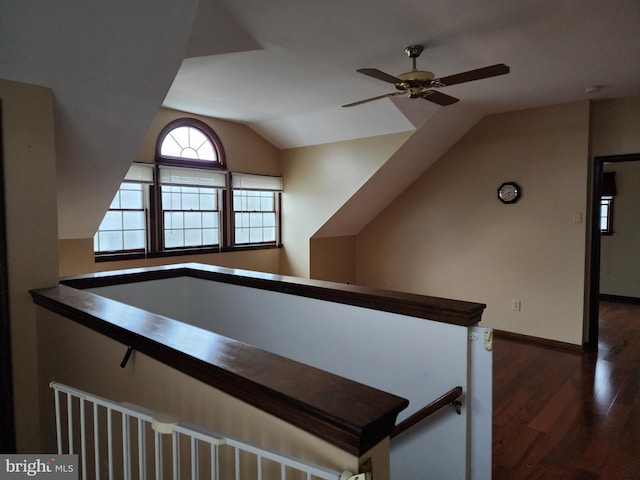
x,y
420,83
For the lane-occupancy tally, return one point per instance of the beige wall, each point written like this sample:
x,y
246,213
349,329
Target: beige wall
x,y
318,180
32,230
333,259
616,127
246,152
448,235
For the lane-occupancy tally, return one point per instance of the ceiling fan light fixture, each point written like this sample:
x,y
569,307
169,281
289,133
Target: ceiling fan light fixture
x,y
415,92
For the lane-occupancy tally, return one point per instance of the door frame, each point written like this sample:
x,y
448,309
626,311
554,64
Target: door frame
x,y
592,333
7,419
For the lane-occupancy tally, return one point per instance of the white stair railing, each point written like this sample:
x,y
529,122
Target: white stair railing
x,y
125,441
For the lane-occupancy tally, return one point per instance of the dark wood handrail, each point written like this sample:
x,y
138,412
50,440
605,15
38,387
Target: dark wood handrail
x,y
446,399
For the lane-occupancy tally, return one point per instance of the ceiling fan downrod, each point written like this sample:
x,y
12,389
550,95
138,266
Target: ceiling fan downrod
x,y
414,51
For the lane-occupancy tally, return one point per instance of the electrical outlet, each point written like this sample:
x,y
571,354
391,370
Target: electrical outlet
x,y
516,305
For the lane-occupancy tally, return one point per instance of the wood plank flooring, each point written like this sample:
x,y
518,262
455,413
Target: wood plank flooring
x,y
568,415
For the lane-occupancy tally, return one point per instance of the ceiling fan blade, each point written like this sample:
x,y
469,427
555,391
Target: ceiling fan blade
x,y
439,98
372,99
380,75
478,74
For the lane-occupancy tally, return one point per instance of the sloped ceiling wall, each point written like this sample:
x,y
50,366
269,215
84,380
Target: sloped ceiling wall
x,y
109,66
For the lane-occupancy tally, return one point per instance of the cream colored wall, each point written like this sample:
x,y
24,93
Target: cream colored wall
x,y
333,259
76,258
619,253
246,152
92,363
318,180
448,235
616,127
32,231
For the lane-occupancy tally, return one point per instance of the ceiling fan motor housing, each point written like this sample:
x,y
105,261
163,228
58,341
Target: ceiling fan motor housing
x,y
415,82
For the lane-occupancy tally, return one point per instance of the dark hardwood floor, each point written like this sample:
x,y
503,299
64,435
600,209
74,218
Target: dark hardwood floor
x,y
565,415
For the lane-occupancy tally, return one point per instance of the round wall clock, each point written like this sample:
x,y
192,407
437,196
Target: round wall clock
x,y
509,192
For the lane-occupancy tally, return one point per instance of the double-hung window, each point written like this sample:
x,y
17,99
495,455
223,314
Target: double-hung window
x,y
191,202
124,227
256,209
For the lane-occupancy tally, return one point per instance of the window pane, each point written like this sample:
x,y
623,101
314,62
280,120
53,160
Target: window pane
x,y
134,239
268,234
208,201
173,238
181,136
239,201
192,220
253,203
189,153
603,224
170,147
207,152
192,238
255,219
190,201
115,203
242,235
210,219
112,221
173,220
133,220
255,235
269,219
196,138
110,241
131,198
210,236
242,220
266,203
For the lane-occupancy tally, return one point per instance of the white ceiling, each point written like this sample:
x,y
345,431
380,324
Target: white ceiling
x,y
285,68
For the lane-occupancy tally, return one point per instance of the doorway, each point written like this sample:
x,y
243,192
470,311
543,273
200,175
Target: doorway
x,y
7,425
591,338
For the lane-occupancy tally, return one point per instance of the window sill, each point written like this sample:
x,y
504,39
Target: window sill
x,y
116,257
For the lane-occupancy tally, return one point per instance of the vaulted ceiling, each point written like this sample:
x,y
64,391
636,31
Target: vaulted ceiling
x,y
289,66
285,68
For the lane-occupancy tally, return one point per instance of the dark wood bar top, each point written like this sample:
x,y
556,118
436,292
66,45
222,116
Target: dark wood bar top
x,y
350,415
445,310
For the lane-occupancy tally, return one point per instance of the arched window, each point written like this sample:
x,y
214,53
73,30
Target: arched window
x,y
190,156
188,140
